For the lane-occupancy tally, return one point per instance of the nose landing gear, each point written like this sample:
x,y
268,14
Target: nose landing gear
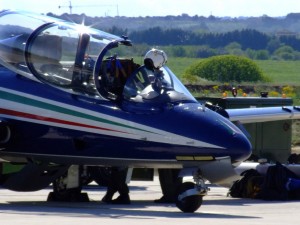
x,y
189,194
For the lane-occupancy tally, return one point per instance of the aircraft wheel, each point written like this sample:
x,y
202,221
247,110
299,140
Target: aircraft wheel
x,y
61,193
191,203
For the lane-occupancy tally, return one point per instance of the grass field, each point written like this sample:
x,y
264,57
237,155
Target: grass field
x,y
179,65
280,72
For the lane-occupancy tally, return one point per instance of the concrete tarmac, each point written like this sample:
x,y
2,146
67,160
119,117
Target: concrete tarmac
x,y
32,209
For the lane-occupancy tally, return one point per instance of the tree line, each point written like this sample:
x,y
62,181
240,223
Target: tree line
x,y
247,38
246,42
197,36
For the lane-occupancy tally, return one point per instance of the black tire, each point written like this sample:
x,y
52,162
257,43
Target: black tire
x,y
191,203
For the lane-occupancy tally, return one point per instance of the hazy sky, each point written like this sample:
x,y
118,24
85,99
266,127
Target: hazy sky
x,y
219,8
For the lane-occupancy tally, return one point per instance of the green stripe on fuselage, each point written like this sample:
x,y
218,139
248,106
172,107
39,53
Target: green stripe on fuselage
x,y
48,106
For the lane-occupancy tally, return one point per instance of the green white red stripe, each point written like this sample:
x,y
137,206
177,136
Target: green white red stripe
x,y
30,108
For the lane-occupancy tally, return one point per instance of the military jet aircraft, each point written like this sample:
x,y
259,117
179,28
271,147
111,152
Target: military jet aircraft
x,y
72,96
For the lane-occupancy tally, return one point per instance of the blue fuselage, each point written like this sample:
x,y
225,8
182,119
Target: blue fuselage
x,y
47,123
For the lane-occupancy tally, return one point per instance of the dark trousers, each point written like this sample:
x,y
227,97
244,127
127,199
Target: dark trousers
x,y
117,182
169,182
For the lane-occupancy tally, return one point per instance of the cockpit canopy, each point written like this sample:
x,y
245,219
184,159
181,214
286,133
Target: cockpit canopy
x,y
56,52
81,60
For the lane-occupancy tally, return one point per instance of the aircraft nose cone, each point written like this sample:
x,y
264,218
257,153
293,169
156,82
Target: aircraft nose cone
x,y
215,135
237,144
242,147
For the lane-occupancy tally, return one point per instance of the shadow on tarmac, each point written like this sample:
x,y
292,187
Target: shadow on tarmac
x,y
138,209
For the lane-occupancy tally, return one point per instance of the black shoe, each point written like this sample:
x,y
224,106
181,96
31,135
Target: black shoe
x,y
164,199
122,199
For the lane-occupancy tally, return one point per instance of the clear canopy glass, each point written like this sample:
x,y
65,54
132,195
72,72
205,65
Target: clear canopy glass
x,y
82,60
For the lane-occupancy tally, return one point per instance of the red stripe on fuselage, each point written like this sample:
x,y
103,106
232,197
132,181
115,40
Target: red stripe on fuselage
x,y
49,119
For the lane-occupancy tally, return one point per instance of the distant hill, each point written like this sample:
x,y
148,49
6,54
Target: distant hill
x,y
266,24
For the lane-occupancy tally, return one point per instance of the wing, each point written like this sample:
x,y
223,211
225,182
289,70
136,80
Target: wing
x,y
264,114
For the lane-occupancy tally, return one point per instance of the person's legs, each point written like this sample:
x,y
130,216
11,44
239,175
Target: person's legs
x,y
122,187
169,182
112,187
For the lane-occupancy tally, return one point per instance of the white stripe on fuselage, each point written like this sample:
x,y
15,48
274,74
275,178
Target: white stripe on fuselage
x,y
142,132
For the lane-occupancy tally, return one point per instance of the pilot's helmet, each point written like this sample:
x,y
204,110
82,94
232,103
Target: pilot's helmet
x,y
155,58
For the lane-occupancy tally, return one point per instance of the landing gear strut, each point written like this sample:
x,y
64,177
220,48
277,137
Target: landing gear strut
x,y
67,188
189,194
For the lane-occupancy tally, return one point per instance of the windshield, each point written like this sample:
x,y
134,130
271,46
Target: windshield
x,y
161,85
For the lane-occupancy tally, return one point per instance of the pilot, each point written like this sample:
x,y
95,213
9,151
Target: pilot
x,y
168,178
150,73
154,59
